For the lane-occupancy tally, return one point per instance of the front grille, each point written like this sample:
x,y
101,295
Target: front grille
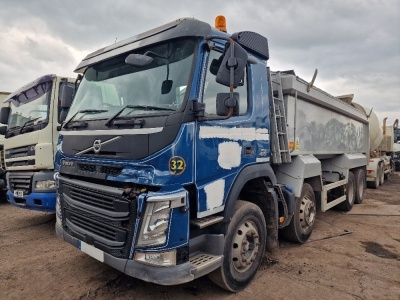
x,y
19,163
96,198
2,164
21,181
103,219
97,228
99,169
17,152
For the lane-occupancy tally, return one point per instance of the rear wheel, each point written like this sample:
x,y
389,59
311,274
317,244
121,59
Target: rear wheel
x,y
375,184
350,194
359,175
244,248
382,175
303,221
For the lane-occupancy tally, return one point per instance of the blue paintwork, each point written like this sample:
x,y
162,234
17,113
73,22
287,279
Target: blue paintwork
x,y
48,201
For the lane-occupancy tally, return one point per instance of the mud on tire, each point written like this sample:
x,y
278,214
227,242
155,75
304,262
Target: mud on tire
x,y
303,221
244,248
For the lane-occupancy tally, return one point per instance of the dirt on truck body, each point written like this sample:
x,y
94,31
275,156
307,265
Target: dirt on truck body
x,y
353,255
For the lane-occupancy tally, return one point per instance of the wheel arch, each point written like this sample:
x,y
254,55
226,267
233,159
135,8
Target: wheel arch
x,y
254,184
254,173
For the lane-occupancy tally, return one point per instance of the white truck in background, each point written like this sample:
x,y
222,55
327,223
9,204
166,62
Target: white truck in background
x,y
32,115
381,163
3,185
396,145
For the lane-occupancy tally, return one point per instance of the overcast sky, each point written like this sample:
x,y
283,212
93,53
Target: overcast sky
x,y
355,44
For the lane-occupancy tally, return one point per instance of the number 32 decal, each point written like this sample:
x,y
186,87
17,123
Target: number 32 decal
x,y
177,165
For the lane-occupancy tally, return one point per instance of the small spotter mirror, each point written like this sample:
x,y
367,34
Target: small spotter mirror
x,y
138,60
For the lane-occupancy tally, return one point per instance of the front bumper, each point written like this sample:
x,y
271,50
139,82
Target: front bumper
x,y
34,199
45,202
160,275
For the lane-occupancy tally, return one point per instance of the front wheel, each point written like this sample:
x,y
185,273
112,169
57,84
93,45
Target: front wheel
x,y
244,248
303,221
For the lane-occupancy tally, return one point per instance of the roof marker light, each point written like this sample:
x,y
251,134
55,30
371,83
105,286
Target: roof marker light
x,y
220,23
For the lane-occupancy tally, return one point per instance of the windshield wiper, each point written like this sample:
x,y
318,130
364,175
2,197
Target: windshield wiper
x,y
28,122
83,111
147,107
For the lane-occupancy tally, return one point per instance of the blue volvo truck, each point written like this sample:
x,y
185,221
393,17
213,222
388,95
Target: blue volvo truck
x,y
183,155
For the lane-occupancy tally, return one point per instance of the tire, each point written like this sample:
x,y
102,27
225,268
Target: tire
x,y
375,184
388,175
359,176
303,222
347,205
382,175
245,242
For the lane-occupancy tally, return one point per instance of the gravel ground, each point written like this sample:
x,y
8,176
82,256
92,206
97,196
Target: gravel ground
x,y
349,256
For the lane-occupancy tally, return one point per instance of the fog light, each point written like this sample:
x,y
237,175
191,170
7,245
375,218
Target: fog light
x,y
162,259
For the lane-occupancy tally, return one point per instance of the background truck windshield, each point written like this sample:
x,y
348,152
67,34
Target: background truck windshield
x,y
158,88
30,106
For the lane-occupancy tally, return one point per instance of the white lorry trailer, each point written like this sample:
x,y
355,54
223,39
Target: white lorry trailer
x,y
32,115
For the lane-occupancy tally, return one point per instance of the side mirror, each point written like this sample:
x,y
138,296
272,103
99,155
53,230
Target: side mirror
x,y
166,86
234,61
3,130
138,60
225,102
67,96
63,115
4,114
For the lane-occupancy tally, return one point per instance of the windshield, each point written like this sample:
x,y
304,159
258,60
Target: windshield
x,y
157,88
30,107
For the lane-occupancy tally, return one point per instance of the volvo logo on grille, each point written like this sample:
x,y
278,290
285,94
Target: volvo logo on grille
x,y
96,146
67,163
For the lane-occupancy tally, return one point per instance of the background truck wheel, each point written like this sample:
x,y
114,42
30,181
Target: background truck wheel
x,y
244,247
375,184
382,174
302,224
387,175
350,194
359,176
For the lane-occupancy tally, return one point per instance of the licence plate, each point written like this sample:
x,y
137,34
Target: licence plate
x,y
18,193
92,251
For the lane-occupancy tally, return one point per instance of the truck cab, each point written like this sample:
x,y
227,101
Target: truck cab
x,y
32,116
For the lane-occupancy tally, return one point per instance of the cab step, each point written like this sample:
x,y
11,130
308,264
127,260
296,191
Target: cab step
x,y
207,221
204,263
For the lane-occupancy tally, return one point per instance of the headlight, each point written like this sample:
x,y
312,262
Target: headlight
x,y
45,185
155,224
157,217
